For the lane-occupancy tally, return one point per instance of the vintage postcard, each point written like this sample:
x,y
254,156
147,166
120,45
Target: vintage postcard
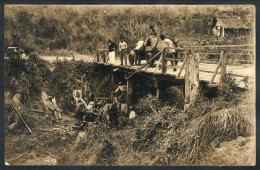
x,y
122,85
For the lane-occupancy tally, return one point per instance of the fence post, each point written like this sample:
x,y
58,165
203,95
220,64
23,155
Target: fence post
x,y
73,57
191,79
223,67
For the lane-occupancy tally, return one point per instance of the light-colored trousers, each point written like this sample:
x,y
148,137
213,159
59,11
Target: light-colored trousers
x,y
112,57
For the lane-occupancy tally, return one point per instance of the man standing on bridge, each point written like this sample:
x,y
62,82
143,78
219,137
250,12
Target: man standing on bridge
x,y
138,49
112,51
122,49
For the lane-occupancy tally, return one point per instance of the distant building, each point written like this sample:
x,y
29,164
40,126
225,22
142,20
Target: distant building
x,y
233,26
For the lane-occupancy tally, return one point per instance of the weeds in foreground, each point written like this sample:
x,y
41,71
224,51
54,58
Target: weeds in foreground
x,y
165,135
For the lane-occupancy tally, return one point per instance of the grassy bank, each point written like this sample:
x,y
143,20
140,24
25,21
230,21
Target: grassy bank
x,y
161,134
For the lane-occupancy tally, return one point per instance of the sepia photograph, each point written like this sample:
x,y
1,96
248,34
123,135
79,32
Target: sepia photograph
x,y
129,85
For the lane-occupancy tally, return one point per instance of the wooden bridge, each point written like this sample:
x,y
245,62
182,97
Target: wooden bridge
x,y
194,68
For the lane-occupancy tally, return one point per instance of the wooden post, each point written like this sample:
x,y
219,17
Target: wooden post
x,y
223,67
112,85
191,79
157,89
81,83
129,98
73,57
158,64
164,62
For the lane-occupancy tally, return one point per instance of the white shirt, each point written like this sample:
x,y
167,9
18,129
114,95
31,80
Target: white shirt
x,y
122,46
169,42
139,44
132,115
121,88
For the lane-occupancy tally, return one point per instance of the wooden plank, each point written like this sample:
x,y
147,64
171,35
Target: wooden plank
x,y
191,80
164,63
22,119
181,68
220,46
216,70
235,75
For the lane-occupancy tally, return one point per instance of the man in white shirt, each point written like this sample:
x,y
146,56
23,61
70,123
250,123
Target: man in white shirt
x,y
171,53
138,50
122,49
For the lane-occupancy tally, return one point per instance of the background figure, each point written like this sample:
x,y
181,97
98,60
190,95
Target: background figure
x,y
122,49
112,51
51,108
132,57
121,102
138,49
171,53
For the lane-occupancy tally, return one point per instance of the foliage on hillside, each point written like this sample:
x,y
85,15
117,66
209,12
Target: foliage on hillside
x,y
85,28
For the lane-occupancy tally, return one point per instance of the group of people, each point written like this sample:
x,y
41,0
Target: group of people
x,y
123,49
145,46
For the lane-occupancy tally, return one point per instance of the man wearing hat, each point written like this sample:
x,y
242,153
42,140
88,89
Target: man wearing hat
x,y
52,108
112,51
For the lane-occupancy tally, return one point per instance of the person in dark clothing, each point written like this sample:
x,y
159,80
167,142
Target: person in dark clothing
x,y
112,51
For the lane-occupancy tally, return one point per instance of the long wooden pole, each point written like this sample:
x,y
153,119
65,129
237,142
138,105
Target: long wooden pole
x,y
181,68
143,65
22,119
216,70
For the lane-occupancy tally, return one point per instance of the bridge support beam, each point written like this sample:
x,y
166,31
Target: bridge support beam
x,y
129,93
191,79
160,89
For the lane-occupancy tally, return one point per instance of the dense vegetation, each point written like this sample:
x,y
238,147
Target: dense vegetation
x,y
161,134
85,28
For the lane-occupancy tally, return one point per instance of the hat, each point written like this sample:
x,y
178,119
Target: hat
x,y
120,83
